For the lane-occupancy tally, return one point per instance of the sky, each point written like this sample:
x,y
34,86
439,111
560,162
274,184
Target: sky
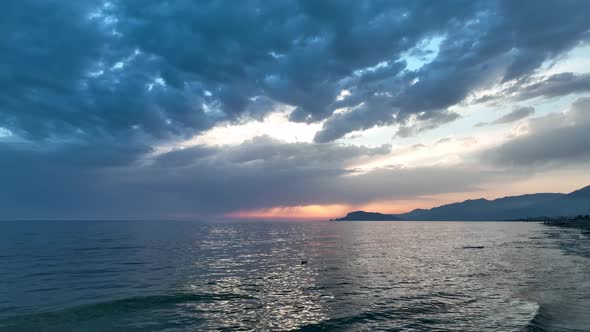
x,y
181,109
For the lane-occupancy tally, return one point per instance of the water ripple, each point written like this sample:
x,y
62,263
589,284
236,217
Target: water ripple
x,y
248,276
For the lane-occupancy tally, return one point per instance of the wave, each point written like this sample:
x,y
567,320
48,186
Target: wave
x,y
566,309
559,318
539,322
107,310
418,312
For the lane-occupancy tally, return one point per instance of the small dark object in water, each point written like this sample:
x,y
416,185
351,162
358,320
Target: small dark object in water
x,y
473,247
303,262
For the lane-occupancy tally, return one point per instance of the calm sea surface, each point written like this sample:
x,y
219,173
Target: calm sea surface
x,y
395,276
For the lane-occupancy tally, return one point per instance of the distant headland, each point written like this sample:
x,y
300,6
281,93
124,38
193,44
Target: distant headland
x,y
540,207
367,216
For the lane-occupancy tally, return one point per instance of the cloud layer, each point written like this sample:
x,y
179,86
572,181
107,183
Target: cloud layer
x,y
124,68
513,116
92,89
561,139
259,173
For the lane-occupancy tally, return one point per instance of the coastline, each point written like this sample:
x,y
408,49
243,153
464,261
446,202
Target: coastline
x,y
583,225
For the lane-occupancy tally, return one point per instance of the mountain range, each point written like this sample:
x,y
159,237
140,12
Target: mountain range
x,y
506,208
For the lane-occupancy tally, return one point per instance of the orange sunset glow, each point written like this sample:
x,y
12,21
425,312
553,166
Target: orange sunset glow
x,y
315,212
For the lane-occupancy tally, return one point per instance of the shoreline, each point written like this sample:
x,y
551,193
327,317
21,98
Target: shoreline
x,y
583,225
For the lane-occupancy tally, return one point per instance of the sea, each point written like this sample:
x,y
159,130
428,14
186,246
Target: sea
x,y
292,276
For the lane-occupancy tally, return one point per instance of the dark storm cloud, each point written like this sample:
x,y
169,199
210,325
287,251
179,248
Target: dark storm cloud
x,y
109,68
560,138
66,74
502,41
375,110
515,115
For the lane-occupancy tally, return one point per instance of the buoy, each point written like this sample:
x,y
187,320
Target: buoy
x,y
473,247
